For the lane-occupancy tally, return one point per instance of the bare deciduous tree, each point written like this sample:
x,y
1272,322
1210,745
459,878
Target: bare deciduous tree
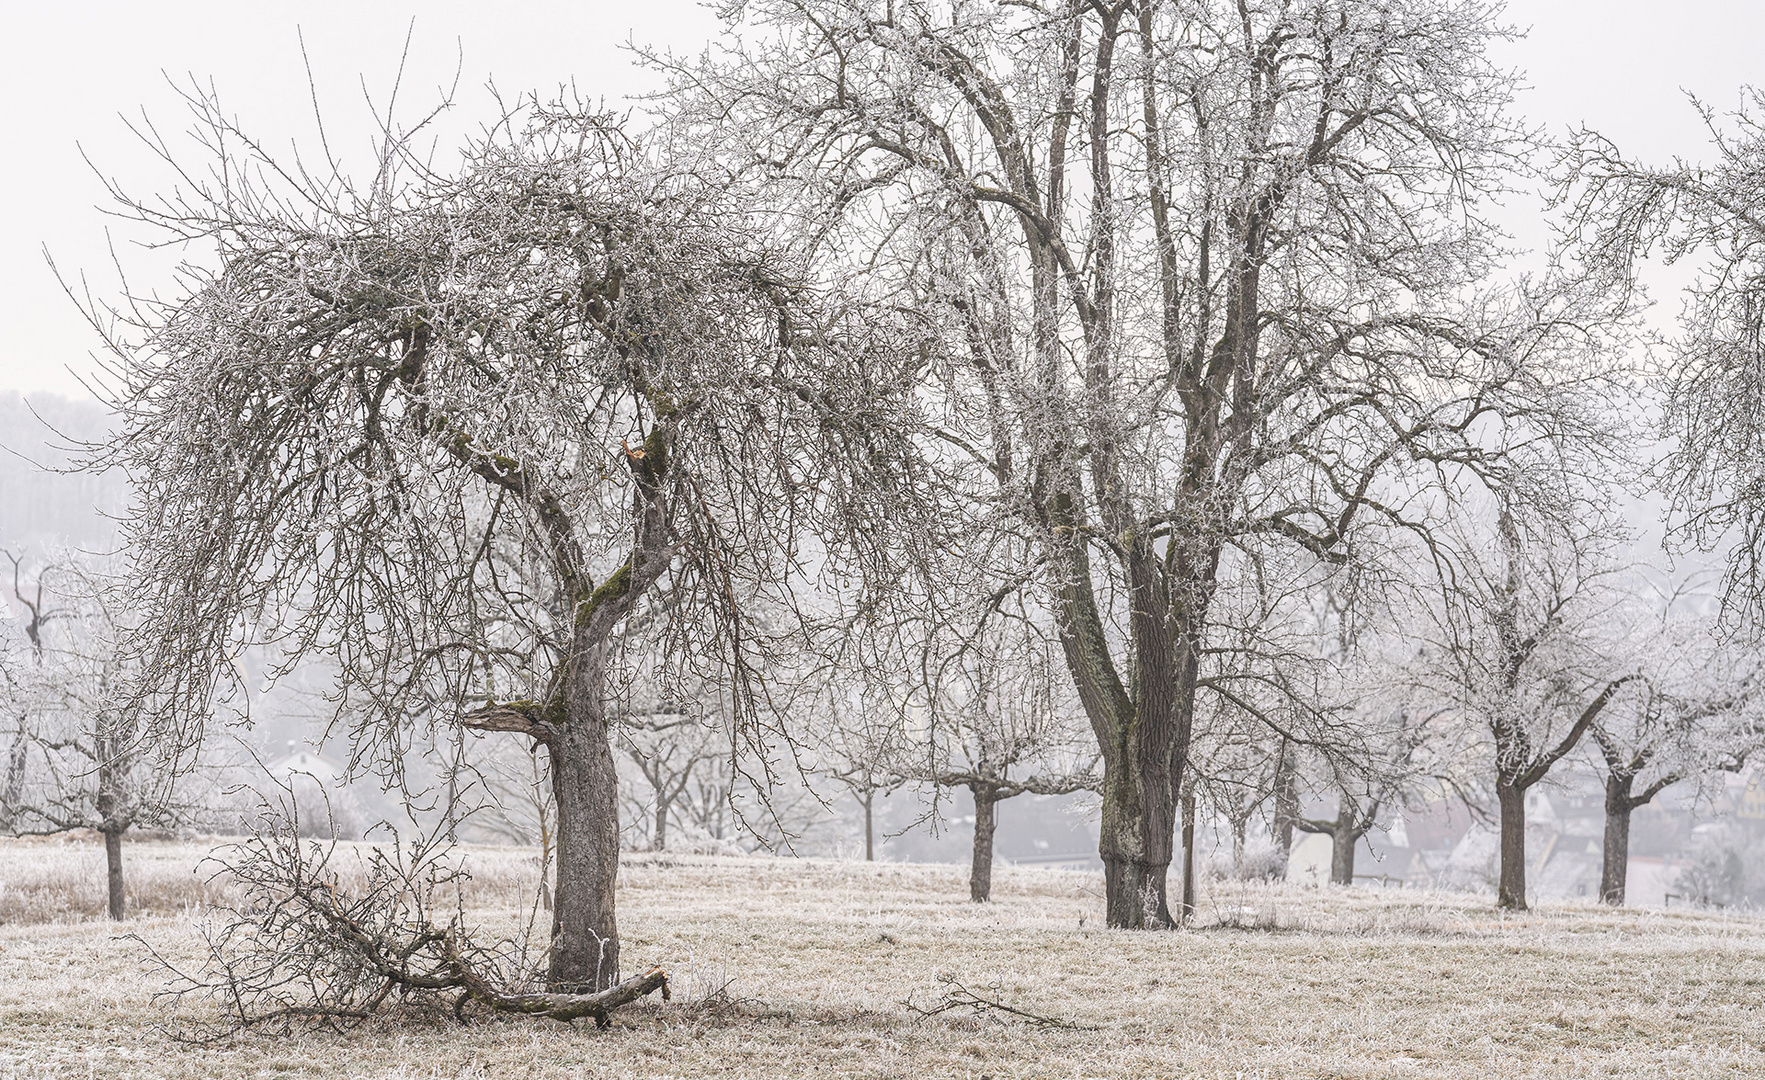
x,y
1197,274
452,429
1713,216
78,759
1521,649
1693,715
1001,727
671,748
859,745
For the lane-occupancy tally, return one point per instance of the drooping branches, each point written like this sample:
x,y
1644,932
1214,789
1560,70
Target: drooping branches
x,y
454,430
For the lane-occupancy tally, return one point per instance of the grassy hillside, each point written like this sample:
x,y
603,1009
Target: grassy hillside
x,y
790,968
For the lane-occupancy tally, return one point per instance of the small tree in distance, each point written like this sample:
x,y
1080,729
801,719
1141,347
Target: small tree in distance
x,y
1521,648
1693,714
1000,731
860,751
80,759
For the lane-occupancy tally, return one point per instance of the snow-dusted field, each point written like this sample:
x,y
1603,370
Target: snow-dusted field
x,y
786,968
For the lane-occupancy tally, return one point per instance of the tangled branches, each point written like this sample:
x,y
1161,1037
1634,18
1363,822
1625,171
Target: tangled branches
x,y
317,940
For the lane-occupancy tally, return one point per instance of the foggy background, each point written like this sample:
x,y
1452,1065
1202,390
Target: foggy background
x,y
80,77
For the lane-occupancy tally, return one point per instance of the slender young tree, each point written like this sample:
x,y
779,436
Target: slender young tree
x,y
1197,274
452,429
79,758
859,745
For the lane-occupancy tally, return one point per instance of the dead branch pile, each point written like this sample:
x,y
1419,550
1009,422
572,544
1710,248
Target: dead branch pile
x,y
311,942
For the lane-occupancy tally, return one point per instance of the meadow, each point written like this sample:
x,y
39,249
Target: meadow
x,y
803,967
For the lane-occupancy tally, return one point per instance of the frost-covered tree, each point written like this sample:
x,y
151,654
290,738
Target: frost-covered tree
x,y
860,744
78,757
1694,713
1197,274
678,742
1521,648
452,428
1710,215
1002,723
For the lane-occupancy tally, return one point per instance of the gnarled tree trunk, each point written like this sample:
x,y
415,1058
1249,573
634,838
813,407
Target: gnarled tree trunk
x,y
1144,738
1136,840
585,934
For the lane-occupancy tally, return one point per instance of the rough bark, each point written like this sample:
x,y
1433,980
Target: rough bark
x,y
13,787
1135,840
113,869
1145,740
585,934
1511,891
1615,857
980,876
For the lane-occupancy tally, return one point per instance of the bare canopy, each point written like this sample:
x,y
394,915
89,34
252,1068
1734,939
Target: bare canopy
x,y
452,429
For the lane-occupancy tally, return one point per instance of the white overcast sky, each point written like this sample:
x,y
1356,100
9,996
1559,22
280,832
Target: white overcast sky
x,y
1621,66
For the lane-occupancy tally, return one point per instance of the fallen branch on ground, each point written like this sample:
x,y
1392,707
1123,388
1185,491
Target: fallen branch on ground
x,y
306,946
961,997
